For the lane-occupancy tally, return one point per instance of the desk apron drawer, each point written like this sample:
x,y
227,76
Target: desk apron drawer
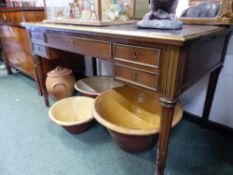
x,y
137,55
38,36
44,51
91,47
136,77
40,50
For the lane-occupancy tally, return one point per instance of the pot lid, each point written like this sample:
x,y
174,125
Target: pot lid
x,y
59,71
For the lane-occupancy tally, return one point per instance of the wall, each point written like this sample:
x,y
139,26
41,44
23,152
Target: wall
x,y
140,8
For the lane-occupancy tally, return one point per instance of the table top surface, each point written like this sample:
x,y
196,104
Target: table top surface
x,y
188,32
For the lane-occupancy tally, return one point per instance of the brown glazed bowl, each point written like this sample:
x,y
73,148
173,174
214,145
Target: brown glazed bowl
x,y
73,114
132,117
94,86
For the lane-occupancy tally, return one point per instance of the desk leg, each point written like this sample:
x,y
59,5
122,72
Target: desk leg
x,y
94,66
213,80
165,128
40,73
38,84
213,84
6,62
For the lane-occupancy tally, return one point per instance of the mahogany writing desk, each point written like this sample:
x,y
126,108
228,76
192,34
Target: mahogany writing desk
x,y
166,62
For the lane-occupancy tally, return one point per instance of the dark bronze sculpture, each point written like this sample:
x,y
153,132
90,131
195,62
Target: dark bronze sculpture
x,y
162,15
163,6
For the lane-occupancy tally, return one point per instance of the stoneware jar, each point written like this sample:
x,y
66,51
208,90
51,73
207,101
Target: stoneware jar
x,y
60,83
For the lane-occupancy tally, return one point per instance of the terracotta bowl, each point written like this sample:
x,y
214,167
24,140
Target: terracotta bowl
x,y
94,86
73,114
132,117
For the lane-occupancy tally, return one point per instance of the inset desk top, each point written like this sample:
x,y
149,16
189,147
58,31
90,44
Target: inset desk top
x,y
188,32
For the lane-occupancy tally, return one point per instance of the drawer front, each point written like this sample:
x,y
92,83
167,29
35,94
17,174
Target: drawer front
x,y
136,77
38,36
138,55
14,18
40,50
95,48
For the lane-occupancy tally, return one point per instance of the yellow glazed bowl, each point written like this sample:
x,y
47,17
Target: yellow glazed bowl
x,y
94,86
73,114
132,116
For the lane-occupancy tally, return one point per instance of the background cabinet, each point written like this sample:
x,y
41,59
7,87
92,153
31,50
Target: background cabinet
x,y
14,39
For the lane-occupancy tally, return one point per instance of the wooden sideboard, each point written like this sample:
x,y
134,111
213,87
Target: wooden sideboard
x,y
165,62
16,48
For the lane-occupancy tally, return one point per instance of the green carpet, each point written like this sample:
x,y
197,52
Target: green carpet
x,y
30,144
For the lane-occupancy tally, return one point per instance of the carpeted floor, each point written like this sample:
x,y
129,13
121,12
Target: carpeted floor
x,y
30,144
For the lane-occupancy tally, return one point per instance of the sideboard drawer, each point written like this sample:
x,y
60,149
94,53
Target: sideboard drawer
x,y
137,55
38,36
12,18
136,77
95,48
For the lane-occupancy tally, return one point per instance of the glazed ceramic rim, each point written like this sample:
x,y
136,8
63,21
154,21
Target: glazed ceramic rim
x,y
79,122
94,94
129,131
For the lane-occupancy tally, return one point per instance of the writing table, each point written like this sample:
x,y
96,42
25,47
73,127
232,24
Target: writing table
x,y
166,62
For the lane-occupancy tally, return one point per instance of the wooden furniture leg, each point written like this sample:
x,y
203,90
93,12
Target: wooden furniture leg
x,y
94,66
213,80
41,77
5,60
165,128
38,84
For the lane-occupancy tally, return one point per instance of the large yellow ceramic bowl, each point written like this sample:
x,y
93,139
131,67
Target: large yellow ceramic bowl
x,y
94,86
132,116
73,113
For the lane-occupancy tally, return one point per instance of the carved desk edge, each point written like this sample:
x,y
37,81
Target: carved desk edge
x,y
130,30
